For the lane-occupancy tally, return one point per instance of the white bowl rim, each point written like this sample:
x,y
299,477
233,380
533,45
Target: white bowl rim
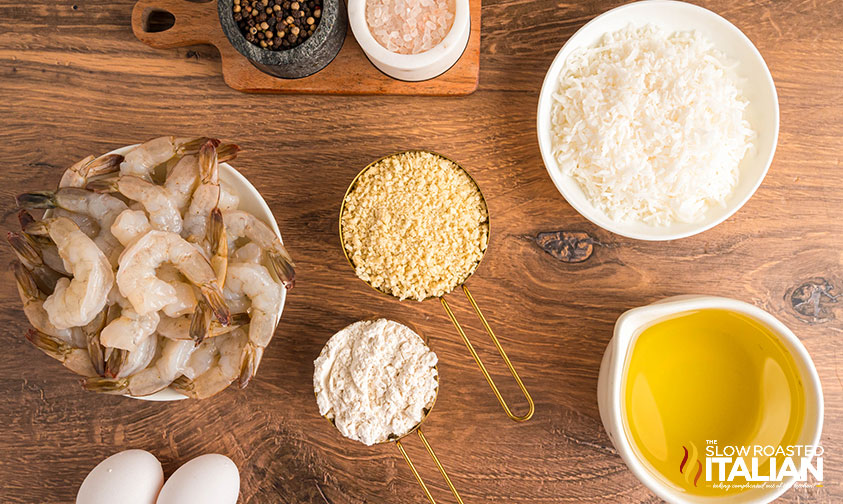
x,y
226,170
545,102
406,62
625,332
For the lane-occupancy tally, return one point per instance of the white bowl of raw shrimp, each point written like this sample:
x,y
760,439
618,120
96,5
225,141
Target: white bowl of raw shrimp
x,y
250,201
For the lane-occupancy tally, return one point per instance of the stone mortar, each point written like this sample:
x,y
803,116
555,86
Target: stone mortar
x,y
306,59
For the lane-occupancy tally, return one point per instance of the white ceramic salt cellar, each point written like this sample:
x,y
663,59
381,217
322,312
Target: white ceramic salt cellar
x,y
412,67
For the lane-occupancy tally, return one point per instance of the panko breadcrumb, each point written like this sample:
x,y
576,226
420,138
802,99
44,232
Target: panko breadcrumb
x,y
415,225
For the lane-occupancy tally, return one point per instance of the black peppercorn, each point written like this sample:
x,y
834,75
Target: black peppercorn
x,y
277,24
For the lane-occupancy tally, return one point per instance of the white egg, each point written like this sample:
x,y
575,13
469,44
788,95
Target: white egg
x,y
207,479
128,477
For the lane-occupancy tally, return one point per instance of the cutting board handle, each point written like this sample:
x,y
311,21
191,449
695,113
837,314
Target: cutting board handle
x,y
190,26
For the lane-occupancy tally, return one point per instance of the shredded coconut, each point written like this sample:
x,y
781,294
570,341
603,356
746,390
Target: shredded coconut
x,y
409,26
375,379
651,125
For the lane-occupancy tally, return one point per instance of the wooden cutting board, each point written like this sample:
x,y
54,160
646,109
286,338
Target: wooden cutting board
x,y
350,73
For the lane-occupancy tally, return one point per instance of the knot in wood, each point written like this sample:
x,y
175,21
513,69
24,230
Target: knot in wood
x,y
567,246
810,300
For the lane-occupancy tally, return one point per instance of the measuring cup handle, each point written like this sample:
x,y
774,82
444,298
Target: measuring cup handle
x,y
531,406
438,465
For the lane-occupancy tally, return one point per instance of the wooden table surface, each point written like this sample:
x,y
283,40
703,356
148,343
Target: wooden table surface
x,y
74,81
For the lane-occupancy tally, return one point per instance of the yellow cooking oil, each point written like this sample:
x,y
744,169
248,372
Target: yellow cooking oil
x,y
709,378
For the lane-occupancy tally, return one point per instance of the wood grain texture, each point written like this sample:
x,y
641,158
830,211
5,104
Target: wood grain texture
x,y
350,73
74,80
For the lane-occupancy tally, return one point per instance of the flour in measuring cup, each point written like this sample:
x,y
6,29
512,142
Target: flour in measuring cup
x,y
375,379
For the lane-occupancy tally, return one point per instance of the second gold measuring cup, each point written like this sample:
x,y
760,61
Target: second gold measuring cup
x,y
531,407
397,439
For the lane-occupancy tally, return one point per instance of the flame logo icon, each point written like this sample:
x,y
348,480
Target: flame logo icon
x,y
691,464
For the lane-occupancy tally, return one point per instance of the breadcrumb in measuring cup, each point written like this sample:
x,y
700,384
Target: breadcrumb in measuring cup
x,y
415,225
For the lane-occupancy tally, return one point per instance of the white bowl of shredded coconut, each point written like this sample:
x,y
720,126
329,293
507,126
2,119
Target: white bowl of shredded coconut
x,y
658,120
411,40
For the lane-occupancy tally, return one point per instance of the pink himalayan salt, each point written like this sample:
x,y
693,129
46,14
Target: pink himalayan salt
x,y
409,26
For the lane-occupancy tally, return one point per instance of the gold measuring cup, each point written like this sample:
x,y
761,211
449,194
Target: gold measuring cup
x,y
418,431
489,331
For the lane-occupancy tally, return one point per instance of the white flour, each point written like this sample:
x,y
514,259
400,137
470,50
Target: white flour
x,y
374,379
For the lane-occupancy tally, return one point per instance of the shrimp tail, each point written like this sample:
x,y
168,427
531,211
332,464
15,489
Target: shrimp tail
x,y
219,245
115,361
95,349
212,295
248,367
27,286
104,185
283,265
209,163
38,228
184,385
199,322
74,359
37,200
239,319
192,145
29,254
227,152
106,385
103,165
25,250
51,346
25,218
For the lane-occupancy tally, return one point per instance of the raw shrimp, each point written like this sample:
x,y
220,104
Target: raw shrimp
x,y
137,278
185,298
29,255
163,213
202,359
205,197
237,301
239,224
33,307
86,224
182,180
184,177
178,328
142,160
102,209
266,296
130,362
129,329
48,251
51,257
157,376
129,226
79,174
75,302
249,253
219,245
221,373
228,200
74,359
